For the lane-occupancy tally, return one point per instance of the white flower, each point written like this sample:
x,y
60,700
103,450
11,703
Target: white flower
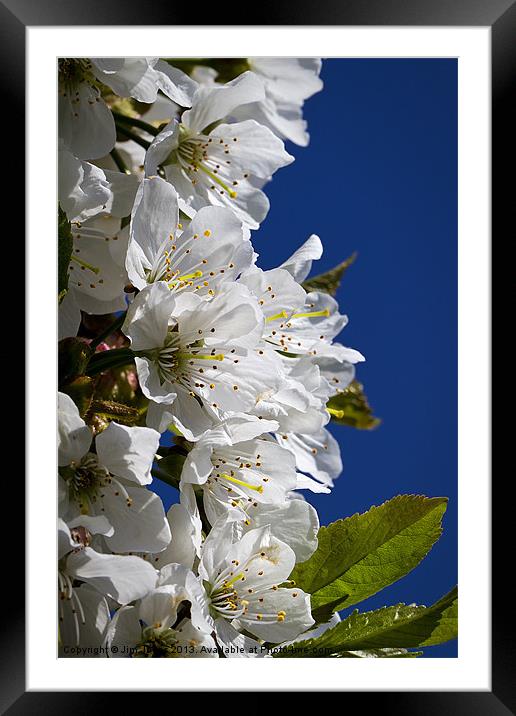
x,y
83,619
336,370
313,416
142,77
204,75
317,454
185,529
214,248
86,124
220,165
311,329
160,112
85,190
293,521
301,328
111,482
237,465
302,432
300,263
96,272
126,633
189,353
322,322
297,323
83,610
132,155
166,632
299,403
314,327
277,293
73,435
288,82
241,581
69,317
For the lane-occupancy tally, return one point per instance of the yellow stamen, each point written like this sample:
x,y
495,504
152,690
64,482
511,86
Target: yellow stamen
x,y
277,316
257,488
202,356
195,274
312,314
232,194
186,277
84,263
231,582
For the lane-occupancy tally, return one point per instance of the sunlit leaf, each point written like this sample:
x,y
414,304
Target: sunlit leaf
x,y
390,628
360,555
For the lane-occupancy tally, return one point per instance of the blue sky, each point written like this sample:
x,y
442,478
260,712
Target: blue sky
x,y
380,178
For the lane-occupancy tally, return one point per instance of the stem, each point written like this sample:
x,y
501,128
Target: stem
x,y
108,331
206,526
130,135
106,360
133,122
165,477
119,161
182,613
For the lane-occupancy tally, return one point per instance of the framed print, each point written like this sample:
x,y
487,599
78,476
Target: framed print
x,y
273,329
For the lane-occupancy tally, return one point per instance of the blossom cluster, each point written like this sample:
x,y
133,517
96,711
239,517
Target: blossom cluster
x,y
161,178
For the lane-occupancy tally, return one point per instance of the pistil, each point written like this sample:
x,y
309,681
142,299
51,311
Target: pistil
x,y
256,488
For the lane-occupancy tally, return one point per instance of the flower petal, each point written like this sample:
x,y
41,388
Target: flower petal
x,y
235,645
300,263
128,452
140,527
123,578
211,104
124,631
294,522
83,622
292,607
86,124
153,220
74,436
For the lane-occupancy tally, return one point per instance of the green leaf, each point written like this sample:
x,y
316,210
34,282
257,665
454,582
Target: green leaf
x,y
64,251
310,648
329,282
397,627
378,654
358,556
351,408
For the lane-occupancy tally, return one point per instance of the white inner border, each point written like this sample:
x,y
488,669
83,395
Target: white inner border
x,y
471,670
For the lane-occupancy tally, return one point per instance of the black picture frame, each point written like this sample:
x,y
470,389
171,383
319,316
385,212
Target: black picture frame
x,y
500,16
